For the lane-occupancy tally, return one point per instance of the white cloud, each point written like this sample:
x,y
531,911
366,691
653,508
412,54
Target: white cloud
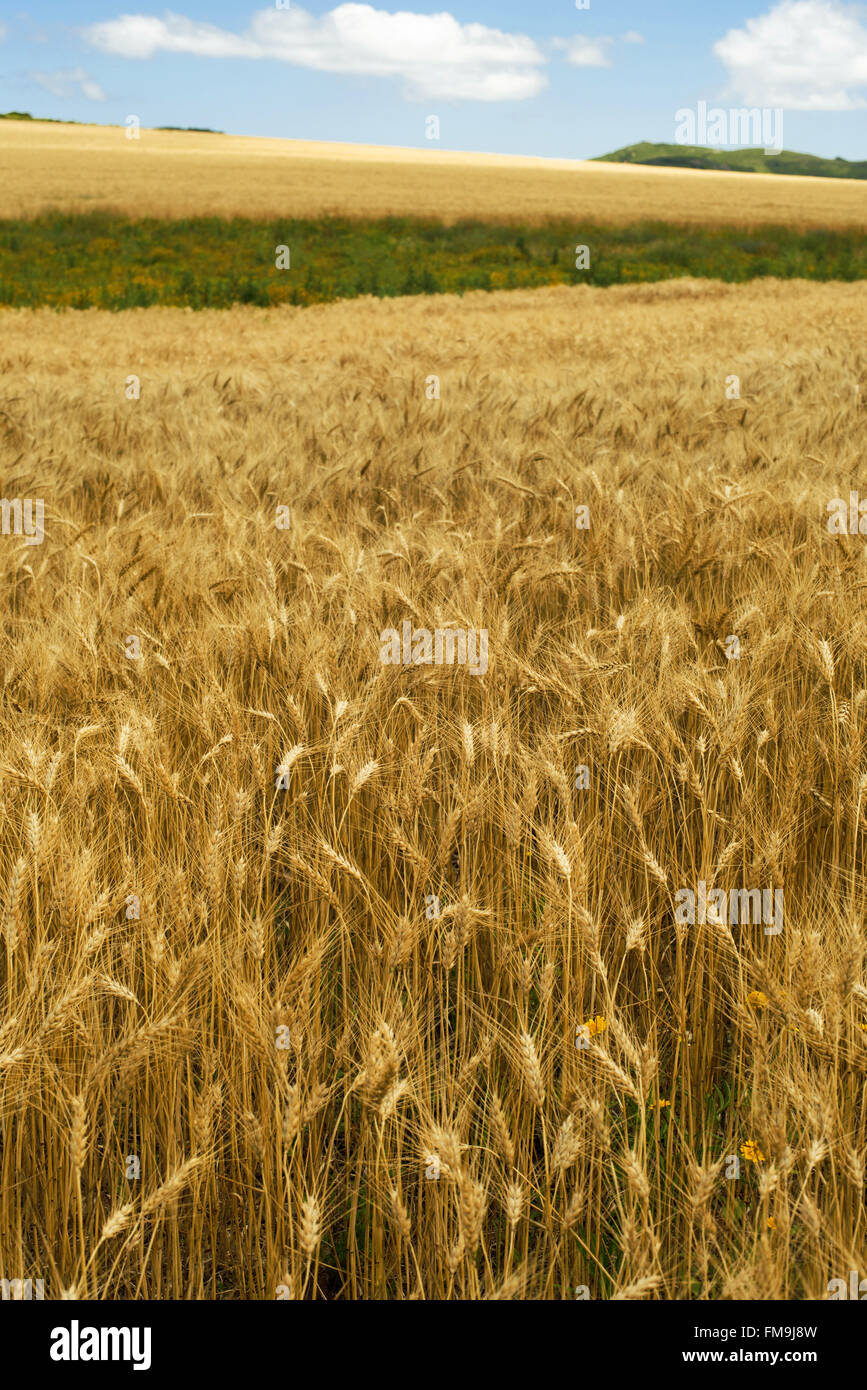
x,y
3,31
92,90
806,55
586,53
141,36
64,83
436,55
632,36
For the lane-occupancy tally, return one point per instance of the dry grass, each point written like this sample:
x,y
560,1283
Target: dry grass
x,y
434,1045
175,174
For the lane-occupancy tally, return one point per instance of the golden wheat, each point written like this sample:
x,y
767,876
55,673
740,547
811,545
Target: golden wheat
x,y
78,168
327,979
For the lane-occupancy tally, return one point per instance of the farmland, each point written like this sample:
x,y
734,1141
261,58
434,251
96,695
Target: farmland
x,y
386,998
178,175
330,977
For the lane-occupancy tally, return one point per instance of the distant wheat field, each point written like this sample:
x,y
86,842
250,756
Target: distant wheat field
x,y
326,978
177,174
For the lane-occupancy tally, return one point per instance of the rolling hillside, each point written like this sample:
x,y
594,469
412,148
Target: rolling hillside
x,y
749,161
47,167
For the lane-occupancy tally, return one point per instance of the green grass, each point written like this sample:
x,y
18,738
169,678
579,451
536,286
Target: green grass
x,y
113,262
749,161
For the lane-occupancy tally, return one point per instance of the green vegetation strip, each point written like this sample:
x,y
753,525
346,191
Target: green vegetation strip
x,y
111,262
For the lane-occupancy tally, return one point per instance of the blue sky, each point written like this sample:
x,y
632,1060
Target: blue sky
x,y
515,78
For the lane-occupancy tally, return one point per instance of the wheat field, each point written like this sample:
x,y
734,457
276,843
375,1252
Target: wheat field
x,y
172,174
331,979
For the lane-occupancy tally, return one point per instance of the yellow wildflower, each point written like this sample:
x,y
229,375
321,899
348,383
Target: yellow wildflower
x,y
595,1025
585,1031
751,1152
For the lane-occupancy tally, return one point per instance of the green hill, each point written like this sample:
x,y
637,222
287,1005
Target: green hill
x,y
751,161
26,116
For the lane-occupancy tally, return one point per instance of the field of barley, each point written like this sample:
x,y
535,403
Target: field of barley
x,y
330,979
181,174
92,219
